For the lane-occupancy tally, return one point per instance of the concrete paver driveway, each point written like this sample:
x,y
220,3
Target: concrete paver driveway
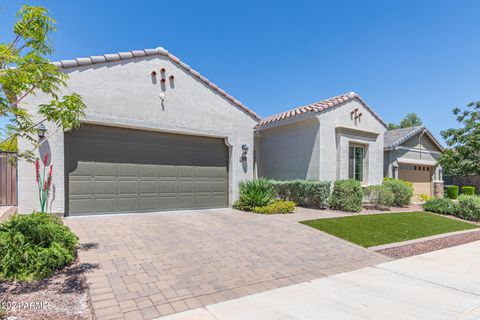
x,y
148,265
440,285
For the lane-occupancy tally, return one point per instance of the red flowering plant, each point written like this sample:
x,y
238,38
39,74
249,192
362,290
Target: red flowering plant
x,y
44,182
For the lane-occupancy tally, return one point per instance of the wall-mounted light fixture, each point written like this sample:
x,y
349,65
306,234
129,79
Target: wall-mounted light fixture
x,y
41,131
244,152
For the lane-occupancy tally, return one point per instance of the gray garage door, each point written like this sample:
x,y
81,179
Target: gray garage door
x,y
114,170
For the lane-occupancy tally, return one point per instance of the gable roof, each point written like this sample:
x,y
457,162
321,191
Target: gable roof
x,y
93,60
394,138
318,107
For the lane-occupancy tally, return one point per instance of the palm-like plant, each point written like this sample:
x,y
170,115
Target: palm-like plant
x,y
256,193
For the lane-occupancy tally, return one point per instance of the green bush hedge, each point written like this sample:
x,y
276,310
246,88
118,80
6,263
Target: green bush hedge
x,y
379,196
468,207
305,193
440,205
33,246
452,192
468,190
347,195
402,191
276,207
255,193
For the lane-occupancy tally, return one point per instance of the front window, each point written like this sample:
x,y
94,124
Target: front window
x,y
355,162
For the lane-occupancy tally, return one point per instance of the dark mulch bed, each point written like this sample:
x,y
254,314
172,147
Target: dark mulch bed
x,y
62,296
430,245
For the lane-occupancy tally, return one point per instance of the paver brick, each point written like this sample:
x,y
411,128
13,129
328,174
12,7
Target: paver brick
x,y
178,261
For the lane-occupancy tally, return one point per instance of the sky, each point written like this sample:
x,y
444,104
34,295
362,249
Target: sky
x,y
400,56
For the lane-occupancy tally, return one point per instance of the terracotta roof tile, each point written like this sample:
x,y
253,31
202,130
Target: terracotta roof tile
x,y
317,107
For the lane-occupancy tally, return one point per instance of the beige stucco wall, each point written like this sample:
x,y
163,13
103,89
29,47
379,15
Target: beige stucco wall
x,y
124,94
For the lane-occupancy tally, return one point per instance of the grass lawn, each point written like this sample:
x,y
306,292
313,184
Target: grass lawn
x,y
376,229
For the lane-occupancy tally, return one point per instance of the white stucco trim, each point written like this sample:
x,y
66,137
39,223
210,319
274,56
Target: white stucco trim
x,y
414,161
357,131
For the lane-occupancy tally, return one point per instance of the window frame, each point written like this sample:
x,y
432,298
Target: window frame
x,y
352,166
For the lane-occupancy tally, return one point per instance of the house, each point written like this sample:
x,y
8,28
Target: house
x,y
160,136
157,136
338,138
412,154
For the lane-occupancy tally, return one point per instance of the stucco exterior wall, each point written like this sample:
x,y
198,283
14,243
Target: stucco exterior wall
x,y
290,151
338,130
124,94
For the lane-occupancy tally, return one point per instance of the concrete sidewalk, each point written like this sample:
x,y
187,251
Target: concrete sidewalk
x,y
443,284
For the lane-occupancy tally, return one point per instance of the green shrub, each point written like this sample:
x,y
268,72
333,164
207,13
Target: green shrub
x,y
255,193
468,207
468,190
441,205
34,246
276,207
347,195
379,196
402,191
305,193
452,192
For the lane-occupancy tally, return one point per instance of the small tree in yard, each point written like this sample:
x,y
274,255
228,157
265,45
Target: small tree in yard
x,y
410,120
463,155
44,182
25,70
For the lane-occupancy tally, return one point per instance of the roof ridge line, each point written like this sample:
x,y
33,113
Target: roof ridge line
x,y
126,55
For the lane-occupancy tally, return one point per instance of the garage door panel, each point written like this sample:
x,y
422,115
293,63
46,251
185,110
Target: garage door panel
x,y
168,187
122,170
168,203
80,187
105,205
419,175
186,202
128,204
105,187
219,173
80,205
127,170
105,169
81,168
127,187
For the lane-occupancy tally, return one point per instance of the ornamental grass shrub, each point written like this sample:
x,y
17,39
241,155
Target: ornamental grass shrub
x,y
347,195
379,196
402,191
305,193
255,193
33,246
279,206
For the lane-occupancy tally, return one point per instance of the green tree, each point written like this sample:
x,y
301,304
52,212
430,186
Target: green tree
x,y
463,154
25,70
410,120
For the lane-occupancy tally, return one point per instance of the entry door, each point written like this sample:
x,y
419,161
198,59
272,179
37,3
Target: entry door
x,y
115,170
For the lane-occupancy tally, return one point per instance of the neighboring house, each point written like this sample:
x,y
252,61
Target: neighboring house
x,y
338,138
157,136
160,136
412,154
